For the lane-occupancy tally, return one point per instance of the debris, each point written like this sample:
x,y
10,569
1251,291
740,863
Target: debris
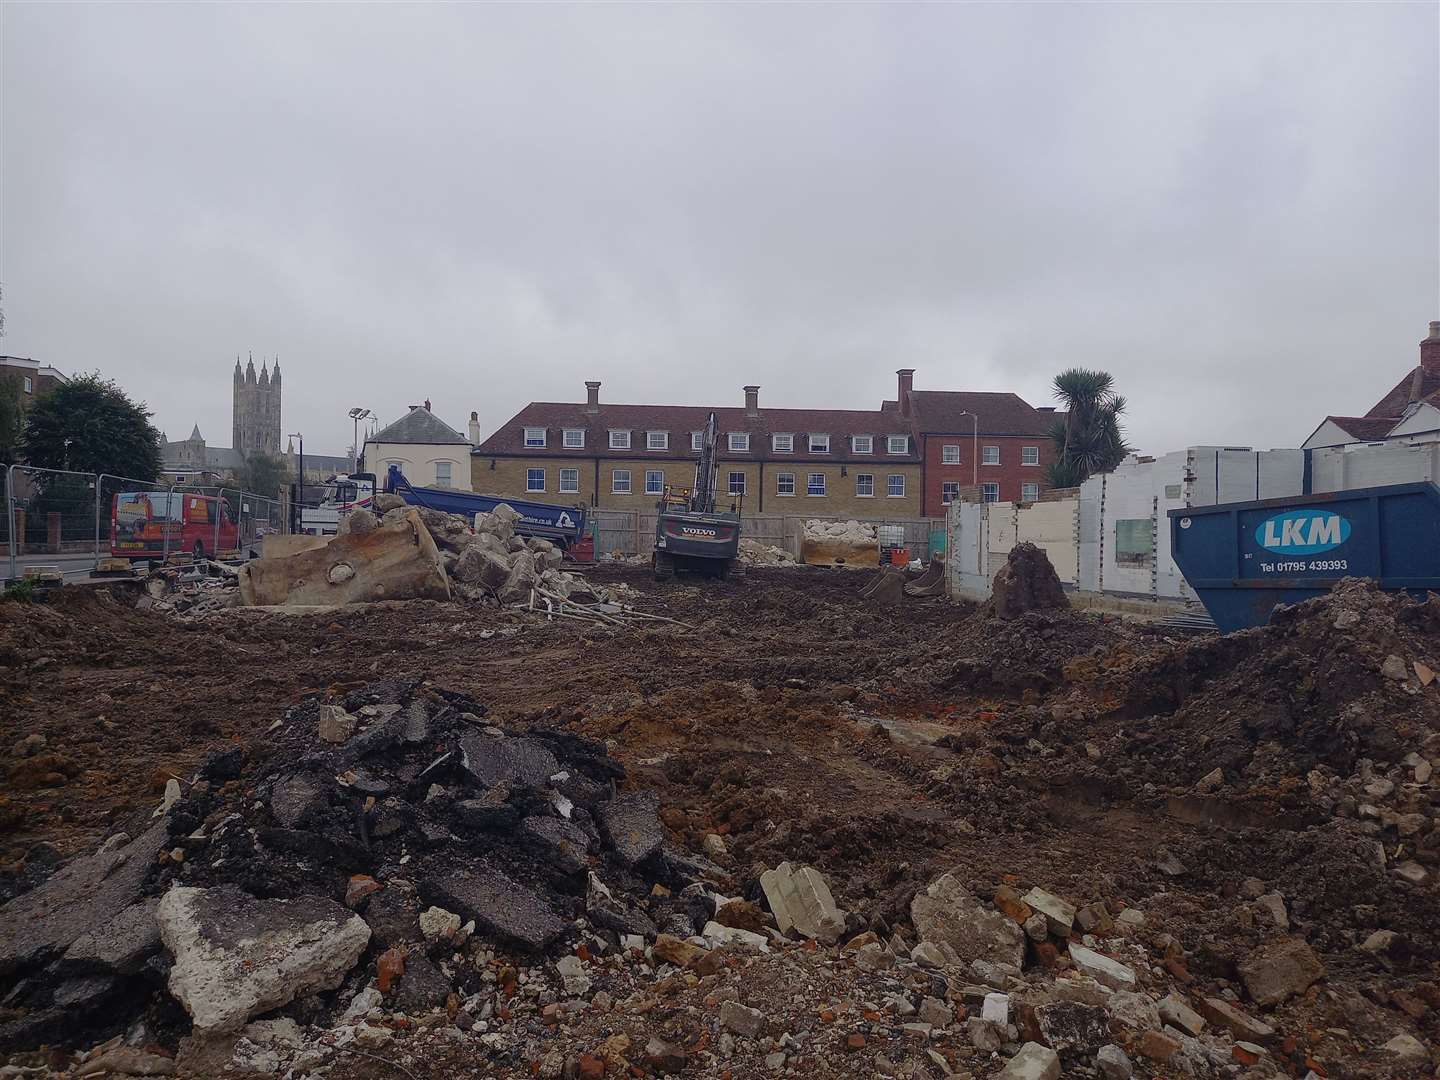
x,y
1279,970
1407,1050
1225,1016
1032,1062
1102,969
1173,1010
749,1023
334,724
1112,1063
800,900
947,916
1059,916
632,824
236,956
1027,582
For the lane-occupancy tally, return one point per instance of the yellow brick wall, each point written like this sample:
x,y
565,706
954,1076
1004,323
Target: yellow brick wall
x,y
508,477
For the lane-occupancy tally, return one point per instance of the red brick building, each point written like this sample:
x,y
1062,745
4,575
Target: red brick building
x,y
995,441
32,379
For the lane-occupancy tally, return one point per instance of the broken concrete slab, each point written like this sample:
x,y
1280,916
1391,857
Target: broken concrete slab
x,y
1059,915
800,900
397,560
236,956
82,894
298,798
480,564
1102,969
120,945
1073,1029
1225,1016
1280,970
631,822
1174,1010
507,759
948,916
499,906
1032,1062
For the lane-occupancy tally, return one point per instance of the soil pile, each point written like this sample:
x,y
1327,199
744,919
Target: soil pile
x,y
1027,582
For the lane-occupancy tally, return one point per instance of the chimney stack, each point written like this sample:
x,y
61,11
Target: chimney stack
x,y
592,397
907,380
474,429
1430,350
752,401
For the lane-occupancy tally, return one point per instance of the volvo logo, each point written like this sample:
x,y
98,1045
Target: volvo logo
x,y
691,530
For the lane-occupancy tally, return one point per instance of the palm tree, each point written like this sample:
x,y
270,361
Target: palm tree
x,y
1088,439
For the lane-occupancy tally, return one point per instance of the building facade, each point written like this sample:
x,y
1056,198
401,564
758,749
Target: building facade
x,y
823,462
255,409
908,458
428,451
32,379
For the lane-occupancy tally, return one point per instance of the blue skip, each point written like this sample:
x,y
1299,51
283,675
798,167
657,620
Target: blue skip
x,y
1244,558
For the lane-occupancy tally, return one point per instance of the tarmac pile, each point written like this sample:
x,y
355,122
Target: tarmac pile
x,y
362,836
758,554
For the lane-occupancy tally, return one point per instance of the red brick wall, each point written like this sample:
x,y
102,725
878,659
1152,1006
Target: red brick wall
x,y
1009,474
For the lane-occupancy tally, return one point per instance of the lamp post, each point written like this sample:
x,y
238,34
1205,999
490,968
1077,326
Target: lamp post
x,y
299,508
356,415
974,449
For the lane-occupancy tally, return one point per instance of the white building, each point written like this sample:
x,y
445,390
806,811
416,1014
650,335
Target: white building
x,y
429,452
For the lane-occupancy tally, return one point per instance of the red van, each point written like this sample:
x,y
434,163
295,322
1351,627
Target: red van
x,y
152,524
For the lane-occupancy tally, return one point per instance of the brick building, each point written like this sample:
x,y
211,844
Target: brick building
x,y
802,461
994,441
31,378
904,459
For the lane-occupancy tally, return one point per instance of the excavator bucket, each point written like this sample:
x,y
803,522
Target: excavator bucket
x,y
887,586
931,582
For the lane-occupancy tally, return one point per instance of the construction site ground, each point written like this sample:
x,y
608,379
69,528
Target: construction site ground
x,y
882,744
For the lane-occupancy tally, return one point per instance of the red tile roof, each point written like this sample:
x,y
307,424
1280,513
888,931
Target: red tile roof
x,y
681,420
1393,403
1365,428
942,412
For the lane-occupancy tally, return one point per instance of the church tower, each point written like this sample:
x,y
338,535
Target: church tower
x,y
256,409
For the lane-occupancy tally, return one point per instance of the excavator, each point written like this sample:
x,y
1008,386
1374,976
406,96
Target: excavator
x,y
690,533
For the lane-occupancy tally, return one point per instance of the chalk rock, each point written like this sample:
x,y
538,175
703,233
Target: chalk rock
x,y
947,916
1033,1062
236,956
1059,915
1280,970
800,900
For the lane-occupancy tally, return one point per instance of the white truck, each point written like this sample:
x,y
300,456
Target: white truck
x,y
343,493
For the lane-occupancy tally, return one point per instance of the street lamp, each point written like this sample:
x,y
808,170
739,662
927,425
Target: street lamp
x,y
299,510
974,449
356,415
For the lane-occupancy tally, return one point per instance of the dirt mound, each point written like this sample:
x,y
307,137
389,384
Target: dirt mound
x,y
1027,582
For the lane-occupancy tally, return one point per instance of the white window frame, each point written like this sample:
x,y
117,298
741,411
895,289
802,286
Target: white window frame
x,y
567,444
867,480
950,454
819,443
659,476
530,479
657,440
1027,452
697,438
890,492
985,457
810,479
789,445
990,492
780,479
1030,487
904,444
730,482
619,438
615,488
29,384
535,438
449,478
949,491
862,444
738,442
569,481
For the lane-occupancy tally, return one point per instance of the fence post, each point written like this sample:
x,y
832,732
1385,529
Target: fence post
x,y
165,528
10,510
219,512
99,486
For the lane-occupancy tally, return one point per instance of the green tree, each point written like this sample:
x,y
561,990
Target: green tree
x,y
261,475
89,424
12,420
1088,439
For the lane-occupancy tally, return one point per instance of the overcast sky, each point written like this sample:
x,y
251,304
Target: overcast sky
x,y
1235,210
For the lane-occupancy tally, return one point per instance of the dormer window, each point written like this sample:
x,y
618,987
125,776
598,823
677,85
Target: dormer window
x,y
534,437
620,440
657,440
739,442
863,444
819,444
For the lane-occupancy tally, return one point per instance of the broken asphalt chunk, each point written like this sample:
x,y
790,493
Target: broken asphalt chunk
x,y
631,823
498,905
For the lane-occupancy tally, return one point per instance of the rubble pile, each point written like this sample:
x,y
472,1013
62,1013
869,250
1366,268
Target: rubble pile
x,y
1027,582
758,554
357,834
840,532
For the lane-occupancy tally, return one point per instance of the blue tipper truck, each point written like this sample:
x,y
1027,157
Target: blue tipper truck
x,y
562,525
1244,558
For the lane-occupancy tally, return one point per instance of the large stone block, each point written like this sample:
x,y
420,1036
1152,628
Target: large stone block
x,y
800,900
949,917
